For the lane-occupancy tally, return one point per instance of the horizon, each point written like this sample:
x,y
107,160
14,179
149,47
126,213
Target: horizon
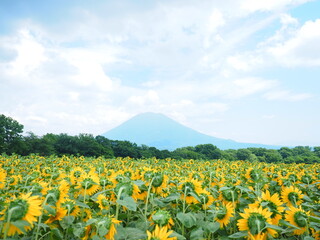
x,y
245,71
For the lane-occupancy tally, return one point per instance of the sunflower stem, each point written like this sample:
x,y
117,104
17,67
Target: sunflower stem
x,y
147,200
40,217
8,221
117,204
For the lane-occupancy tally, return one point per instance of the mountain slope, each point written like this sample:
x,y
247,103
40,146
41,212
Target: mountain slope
x,y
157,130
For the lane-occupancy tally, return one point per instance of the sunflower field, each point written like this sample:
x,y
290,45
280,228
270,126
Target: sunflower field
x,y
97,198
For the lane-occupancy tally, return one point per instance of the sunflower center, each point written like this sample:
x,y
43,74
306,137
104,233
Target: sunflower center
x,y
11,180
221,213
256,222
87,183
77,174
161,217
105,182
272,207
104,202
196,176
254,175
128,174
293,177
127,188
188,187
204,198
55,195
18,208
307,179
157,180
301,219
69,206
230,195
293,197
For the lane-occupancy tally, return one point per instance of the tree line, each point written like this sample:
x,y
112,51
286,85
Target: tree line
x,y
13,142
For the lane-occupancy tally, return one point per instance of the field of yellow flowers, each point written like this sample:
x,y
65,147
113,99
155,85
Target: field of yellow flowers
x,y
96,198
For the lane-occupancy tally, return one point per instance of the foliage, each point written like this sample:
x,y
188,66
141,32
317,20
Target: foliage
x,y
11,141
77,198
10,134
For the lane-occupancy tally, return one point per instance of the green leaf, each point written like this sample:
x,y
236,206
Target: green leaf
x,y
308,238
159,203
187,219
66,221
238,235
306,198
50,210
211,227
274,227
139,183
102,230
243,189
91,221
21,224
172,197
128,202
81,204
314,219
288,224
57,234
177,235
130,233
78,230
196,234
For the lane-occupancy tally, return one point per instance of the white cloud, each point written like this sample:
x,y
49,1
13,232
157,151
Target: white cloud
x,y
203,58
300,50
30,54
271,5
286,96
148,98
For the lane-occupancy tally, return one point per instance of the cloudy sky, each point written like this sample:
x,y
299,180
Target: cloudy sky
x,y
245,70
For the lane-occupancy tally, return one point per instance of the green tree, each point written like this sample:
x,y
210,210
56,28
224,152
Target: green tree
x,y
243,154
285,152
316,151
10,134
187,153
209,151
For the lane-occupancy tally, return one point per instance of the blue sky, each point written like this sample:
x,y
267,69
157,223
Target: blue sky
x,y
244,70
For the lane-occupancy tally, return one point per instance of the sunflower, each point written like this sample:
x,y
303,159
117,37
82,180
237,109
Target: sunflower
x,y
188,187
103,228
25,207
127,188
162,218
71,207
160,234
229,194
59,214
224,213
103,202
112,229
88,183
14,180
272,203
160,182
3,175
254,221
75,174
292,196
206,200
298,218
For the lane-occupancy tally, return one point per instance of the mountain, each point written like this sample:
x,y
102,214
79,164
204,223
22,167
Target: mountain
x,y
160,131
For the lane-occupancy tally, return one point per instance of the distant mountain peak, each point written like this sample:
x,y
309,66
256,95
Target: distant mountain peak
x,y
158,130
